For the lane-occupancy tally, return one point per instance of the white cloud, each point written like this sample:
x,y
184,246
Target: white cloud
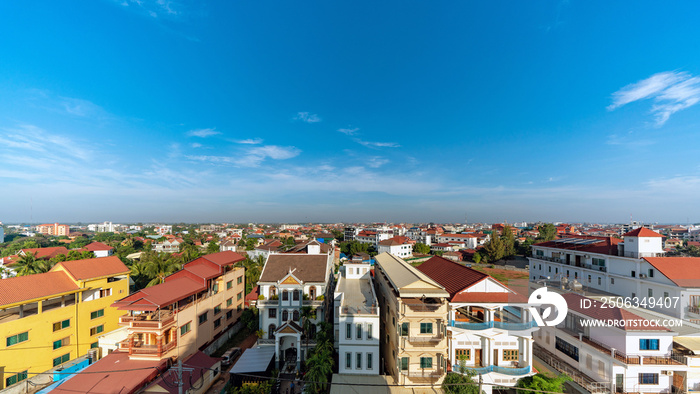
x,y
349,131
154,8
672,91
307,117
250,141
252,157
203,133
370,144
376,162
196,145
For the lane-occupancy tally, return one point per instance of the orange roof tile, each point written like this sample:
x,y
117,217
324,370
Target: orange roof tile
x,y
46,253
224,258
161,295
642,232
95,246
683,271
94,268
30,287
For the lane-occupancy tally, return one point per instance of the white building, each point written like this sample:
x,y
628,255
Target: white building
x,y
631,268
357,321
398,246
470,241
288,283
636,358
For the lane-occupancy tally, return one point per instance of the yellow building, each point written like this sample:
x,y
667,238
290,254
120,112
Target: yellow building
x,y
51,318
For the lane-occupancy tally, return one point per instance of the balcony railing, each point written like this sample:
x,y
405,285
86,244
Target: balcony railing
x,y
156,320
497,369
138,348
422,307
515,326
426,340
672,359
363,310
476,326
424,373
694,309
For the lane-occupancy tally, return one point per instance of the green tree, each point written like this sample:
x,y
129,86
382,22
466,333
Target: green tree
x,y
541,382
525,248
477,257
307,315
27,264
547,232
320,367
212,247
158,267
421,248
457,383
494,249
508,240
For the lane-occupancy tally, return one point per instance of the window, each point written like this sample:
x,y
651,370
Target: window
x,y
510,355
369,331
358,360
598,262
369,360
348,331
185,328
239,280
105,292
648,344
229,285
589,279
651,272
549,269
295,315
651,293
295,295
61,360
61,325
215,288
97,330
94,345
466,353
665,295
272,313
18,338
16,378
285,295
426,362
229,314
600,281
217,323
393,321
285,315
348,360
632,274
539,252
217,309
566,348
358,330
612,281
404,363
648,378
426,328
203,318
229,302
60,343
96,314
540,267
404,330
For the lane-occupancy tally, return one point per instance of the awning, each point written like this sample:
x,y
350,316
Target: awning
x,y
255,359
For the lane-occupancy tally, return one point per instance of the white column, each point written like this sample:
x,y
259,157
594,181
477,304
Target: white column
x,y
277,349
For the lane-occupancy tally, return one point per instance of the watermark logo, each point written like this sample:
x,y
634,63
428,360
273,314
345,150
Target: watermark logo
x,y
551,300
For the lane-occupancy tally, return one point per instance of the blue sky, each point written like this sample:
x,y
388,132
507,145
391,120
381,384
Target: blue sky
x,y
398,111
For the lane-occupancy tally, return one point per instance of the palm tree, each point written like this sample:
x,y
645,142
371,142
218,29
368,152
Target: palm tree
x,y
158,267
27,264
307,314
320,367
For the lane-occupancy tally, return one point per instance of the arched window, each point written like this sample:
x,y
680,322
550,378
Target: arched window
x,y
295,315
295,294
273,291
285,315
285,295
312,292
271,331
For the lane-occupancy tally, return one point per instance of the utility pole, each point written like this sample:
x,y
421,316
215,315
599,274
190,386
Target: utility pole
x,y
481,381
179,376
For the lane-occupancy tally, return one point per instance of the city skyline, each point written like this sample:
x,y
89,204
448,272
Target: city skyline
x,y
162,111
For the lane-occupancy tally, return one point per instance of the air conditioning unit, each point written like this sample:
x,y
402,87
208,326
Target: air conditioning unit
x,y
642,276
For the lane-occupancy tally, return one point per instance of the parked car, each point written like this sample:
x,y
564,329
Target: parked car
x,y
231,355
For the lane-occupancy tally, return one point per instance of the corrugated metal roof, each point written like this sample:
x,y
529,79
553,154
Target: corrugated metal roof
x,y
403,275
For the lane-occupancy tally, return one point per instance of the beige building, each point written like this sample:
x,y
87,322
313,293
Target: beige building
x,y
413,323
53,229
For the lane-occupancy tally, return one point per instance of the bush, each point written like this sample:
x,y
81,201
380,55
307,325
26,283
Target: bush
x,y
261,297
275,297
320,298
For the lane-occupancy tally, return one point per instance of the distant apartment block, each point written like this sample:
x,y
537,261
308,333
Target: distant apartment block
x,y
468,240
49,319
356,324
53,229
399,246
171,245
413,323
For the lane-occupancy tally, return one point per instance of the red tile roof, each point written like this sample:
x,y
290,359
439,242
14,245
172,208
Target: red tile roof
x,y
642,232
599,312
605,245
224,258
104,376
97,246
683,271
453,276
199,362
31,287
46,253
397,240
161,295
93,268
489,297
204,271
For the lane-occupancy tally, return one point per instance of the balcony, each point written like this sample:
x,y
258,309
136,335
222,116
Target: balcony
x,y
424,373
477,326
138,348
497,369
426,340
363,310
418,307
158,320
672,359
694,309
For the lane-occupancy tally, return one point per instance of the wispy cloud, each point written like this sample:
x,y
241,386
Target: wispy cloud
x,y
376,162
671,91
250,141
252,157
629,142
196,145
307,117
203,133
33,138
153,8
371,144
352,131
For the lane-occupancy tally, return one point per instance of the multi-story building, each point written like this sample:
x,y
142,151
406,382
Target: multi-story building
x,y
51,318
53,229
632,267
356,321
171,245
633,356
399,246
490,325
291,283
99,249
413,323
186,311
469,240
